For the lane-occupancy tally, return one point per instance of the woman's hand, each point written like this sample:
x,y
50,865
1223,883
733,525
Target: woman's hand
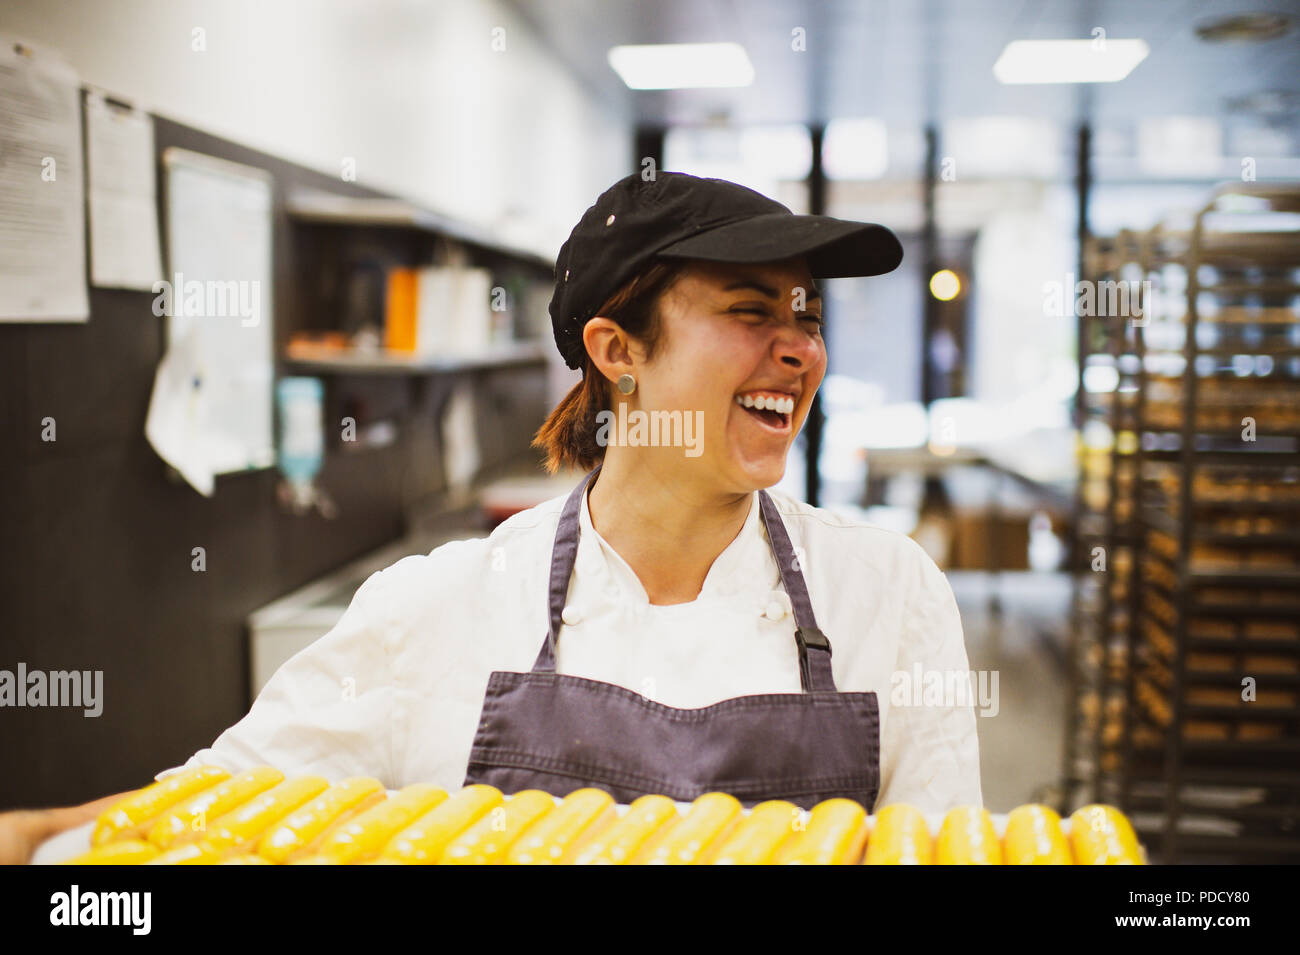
x,y
22,830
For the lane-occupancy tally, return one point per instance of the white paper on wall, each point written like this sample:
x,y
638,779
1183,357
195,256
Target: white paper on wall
x,y
42,209
218,299
123,199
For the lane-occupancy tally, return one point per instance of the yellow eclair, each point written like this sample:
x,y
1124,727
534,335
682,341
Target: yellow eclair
x,y
759,835
299,833
189,821
1101,835
117,852
899,837
238,828
967,837
363,836
423,841
486,842
188,853
711,817
555,838
835,834
618,842
1034,837
132,816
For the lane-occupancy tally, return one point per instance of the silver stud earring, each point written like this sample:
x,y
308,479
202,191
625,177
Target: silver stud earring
x,y
626,384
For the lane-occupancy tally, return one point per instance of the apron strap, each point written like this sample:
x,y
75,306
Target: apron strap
x,y
814,667
563,555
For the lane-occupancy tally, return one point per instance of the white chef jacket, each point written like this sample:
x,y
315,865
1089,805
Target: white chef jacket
x,y
394,690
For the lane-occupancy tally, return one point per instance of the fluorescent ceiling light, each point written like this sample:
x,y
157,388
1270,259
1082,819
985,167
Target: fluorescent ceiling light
x,y
1069,61
1001,146
855,149
668,66
1189,146
777,152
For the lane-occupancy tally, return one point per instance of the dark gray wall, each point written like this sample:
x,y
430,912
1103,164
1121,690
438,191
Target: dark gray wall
x,y
96,540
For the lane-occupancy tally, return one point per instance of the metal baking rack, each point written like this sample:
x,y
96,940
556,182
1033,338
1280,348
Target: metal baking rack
x,y
1107,418
1208,771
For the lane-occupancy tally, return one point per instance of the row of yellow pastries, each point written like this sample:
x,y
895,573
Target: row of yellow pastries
x,y
206,815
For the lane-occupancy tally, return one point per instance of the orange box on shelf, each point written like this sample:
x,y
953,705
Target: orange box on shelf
x,y
400,315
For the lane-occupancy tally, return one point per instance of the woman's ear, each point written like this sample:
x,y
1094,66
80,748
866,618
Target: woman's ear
x,y
609,347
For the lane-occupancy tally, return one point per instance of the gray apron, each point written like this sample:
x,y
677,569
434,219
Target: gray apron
x,y
558,733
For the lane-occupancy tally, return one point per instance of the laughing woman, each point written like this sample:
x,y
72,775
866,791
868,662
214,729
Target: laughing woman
x,y
670,626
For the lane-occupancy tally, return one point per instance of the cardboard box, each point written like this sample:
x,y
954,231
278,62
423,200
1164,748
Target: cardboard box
x,y
982,543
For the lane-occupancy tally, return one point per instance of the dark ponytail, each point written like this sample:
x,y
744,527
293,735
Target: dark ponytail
x,y
569,435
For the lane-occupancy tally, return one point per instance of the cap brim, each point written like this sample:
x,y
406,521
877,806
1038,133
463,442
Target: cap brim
x,y
833,248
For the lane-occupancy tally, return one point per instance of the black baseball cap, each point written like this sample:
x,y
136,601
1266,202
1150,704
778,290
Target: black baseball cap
x,y
678,216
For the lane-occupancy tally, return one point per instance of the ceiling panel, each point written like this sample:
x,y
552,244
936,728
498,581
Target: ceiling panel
x,y
913,61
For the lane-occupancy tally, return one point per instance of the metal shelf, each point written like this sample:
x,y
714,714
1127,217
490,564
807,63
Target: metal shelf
x,y
398,363
1147,767
1245,311
1236,846
1244,645
326,208
1263,812
1231,678
1229,455
1211,608
1234,507
1239,289
1224,577
1171,525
